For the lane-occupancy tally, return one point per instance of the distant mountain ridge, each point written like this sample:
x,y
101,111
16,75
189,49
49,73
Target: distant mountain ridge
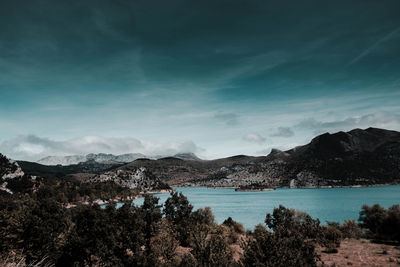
x,y
100,158
104,158
357,157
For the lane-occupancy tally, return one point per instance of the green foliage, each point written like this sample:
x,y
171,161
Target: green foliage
x,y
93,239
178,211
237,227
351,229
372,217
164,245
234,229
291,243
23,185
288,221
276,248
36,225
330,237
210,246
188,261
380,222
203,216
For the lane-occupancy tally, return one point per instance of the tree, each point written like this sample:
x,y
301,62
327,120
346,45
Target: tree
x,y
210,246
151,212
164,244
292,242
93,239
178,211
372,218
44,230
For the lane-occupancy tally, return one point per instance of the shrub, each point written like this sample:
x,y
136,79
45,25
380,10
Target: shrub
x,y
381,223
330,237
292,242
351,229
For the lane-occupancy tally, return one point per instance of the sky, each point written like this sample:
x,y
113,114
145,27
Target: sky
x,y
213,77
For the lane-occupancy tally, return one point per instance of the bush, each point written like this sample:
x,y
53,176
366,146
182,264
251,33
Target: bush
x,y
330,237
274,249
351,229
233,230
381,223
292,242
372,218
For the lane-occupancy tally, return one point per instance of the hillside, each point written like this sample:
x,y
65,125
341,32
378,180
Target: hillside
x,y
176,171
357,157
139,178
59,171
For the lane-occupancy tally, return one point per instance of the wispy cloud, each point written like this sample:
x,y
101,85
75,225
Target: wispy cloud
x,y
283,132
254,138
367,51
379,119
229,118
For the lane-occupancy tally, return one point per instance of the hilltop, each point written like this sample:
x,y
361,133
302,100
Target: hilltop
x,y
357,157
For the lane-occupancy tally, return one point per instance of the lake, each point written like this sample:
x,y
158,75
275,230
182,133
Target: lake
x,y
250,208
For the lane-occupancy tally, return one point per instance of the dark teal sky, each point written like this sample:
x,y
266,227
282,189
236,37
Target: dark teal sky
x,y
212,77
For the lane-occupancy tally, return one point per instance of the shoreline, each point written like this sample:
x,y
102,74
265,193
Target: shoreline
x,y
117,199
236,189
287,187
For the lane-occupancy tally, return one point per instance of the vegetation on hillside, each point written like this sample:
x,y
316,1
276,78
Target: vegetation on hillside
x,y
36,226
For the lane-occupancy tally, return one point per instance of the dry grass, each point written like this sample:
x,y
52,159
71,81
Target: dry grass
x,y
362,252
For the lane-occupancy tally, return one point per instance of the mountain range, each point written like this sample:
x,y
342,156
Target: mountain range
x,y
358,157
104,158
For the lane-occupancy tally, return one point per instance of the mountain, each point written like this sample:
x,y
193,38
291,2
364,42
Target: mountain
x,y
61,160
89,167
100,158
105,158
357,157
176,171
186,156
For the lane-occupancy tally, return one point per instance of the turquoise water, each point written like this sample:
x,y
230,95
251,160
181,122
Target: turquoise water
x,y
250,208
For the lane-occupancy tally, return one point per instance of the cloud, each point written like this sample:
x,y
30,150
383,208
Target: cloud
x,y
229,119
283,132
384,120
31,147
254,138
370,49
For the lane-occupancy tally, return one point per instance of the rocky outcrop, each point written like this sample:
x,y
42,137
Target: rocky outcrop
x,y
140,179
9,170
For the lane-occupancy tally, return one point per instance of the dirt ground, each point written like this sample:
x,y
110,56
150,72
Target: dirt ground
x,y
362,252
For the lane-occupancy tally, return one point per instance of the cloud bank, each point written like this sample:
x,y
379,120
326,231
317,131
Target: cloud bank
x,y
254,138
283,132
380,120
230,119
31,147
